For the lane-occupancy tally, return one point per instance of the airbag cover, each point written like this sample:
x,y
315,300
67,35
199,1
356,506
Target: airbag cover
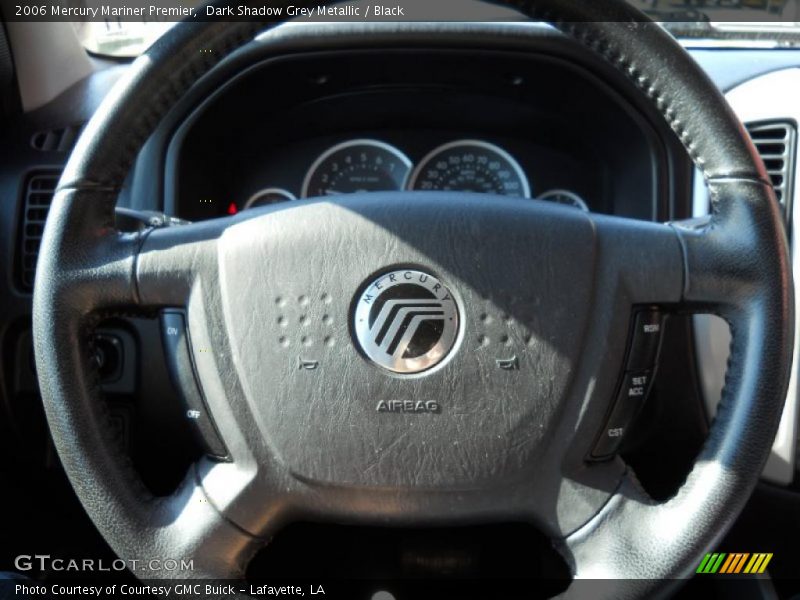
x,y
521,272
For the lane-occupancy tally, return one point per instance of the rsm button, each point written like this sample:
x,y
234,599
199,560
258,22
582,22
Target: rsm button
x,y
645,340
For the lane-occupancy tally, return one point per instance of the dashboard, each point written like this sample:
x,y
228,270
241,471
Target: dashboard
x,y
503,123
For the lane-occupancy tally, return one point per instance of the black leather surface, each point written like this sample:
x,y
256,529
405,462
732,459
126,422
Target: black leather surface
x,y
737,266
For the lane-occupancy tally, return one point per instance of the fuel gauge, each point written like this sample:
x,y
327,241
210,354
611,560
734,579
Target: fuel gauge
x,y
268,196
564,197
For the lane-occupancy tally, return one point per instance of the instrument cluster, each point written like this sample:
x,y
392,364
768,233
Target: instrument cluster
x,y
371,165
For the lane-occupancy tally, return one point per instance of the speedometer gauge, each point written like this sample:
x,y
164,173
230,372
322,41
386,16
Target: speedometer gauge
x,y
471,166
357,166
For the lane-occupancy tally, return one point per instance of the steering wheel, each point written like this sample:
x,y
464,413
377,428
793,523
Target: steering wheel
x,y
345,350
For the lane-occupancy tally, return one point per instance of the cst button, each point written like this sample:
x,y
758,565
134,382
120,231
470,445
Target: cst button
x,y
647,327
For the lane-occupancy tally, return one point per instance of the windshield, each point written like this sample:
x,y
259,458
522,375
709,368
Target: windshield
x,y
752,22
120,38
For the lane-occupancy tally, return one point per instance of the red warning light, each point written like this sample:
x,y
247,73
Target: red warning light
x,y
232,210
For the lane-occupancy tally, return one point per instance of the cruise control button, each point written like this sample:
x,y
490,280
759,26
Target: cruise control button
x,y
630,398
179,362
645,341
636,385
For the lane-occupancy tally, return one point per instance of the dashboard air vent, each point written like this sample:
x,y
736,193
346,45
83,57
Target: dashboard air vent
x,y
776,142
39,190
56,140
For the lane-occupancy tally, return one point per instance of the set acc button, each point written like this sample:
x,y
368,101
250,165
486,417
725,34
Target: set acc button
x,y
638,384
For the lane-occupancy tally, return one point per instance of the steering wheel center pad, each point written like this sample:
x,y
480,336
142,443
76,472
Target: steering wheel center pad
x,y
523,278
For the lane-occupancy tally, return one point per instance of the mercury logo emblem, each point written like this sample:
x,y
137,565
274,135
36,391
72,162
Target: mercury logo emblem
x,y
406,321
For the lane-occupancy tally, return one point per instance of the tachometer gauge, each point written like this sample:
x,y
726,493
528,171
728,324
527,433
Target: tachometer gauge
x,y
471,166
564,197
357,166
268,196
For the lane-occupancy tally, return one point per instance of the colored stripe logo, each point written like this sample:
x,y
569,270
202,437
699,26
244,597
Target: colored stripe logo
x,y
734,563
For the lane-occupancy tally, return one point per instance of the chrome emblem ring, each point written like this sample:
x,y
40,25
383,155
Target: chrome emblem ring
x,y
406,321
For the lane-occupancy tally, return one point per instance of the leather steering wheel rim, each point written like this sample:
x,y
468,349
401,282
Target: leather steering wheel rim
x,y
735,265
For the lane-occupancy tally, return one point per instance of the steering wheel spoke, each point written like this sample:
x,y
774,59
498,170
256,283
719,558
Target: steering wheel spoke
x,y
172,260
640,262
202,543
95,266
730,255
